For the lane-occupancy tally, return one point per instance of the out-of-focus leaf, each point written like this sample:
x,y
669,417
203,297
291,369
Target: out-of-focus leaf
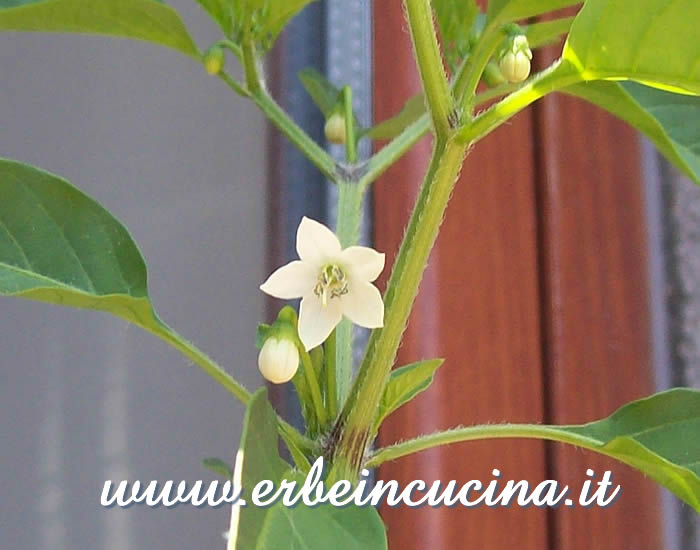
x,y
148,20
455,19
221,11
412,110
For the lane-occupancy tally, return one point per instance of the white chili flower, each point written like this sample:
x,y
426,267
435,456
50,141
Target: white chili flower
x,y
331,282
278,360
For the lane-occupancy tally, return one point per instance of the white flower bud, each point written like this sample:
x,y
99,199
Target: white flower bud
x,y
335,129
515,67
278,360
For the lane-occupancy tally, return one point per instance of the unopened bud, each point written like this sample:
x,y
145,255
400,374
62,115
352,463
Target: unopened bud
x,y
214,60
514,61
335,129
278,360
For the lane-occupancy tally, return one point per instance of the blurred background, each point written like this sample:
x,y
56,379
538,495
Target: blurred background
x,y
566,281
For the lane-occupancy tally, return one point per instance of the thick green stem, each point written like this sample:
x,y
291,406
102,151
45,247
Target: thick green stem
x,y
435,85
354,426
472,433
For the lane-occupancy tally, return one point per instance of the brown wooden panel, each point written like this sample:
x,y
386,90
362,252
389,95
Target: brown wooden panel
x,y
595,307
478,308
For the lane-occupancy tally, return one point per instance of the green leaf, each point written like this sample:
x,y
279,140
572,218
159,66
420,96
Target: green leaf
x,y
321,90
280,13
300,527
502,11
659,436
412,110
148,20
664,117
323,527
405,384
652,41
218,466
59,246
257,459
455,19
324,94
221,11
547,32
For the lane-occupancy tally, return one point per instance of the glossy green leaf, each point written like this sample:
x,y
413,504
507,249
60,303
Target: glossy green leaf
x,y
298,527
57,245
671,121
222,12
405,384
218,466
513,10
412,110
652,41
455,19
149,20
659,435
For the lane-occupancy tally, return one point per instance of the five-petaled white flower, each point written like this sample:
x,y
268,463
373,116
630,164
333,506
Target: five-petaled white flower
x,y
331,282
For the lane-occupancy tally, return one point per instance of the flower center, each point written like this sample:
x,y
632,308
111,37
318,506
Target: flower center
x,y
332,283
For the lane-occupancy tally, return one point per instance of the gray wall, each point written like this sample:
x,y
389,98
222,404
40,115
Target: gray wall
x,y
85,397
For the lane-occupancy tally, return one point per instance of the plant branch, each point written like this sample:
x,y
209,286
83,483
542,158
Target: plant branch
x,y
309,148
353,428
432,73
215,371
469,77
472,433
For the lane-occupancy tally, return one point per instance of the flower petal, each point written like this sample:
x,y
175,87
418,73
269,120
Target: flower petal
x,y
365,263
316,322
290,281
316,243
363,305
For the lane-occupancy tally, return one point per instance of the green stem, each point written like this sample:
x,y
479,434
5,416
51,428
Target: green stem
x,y
331,385
430,67
310,149
468,79
354,426
215,371
472,433
250,64
350,141
393,150
312,383
550,80
350,196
